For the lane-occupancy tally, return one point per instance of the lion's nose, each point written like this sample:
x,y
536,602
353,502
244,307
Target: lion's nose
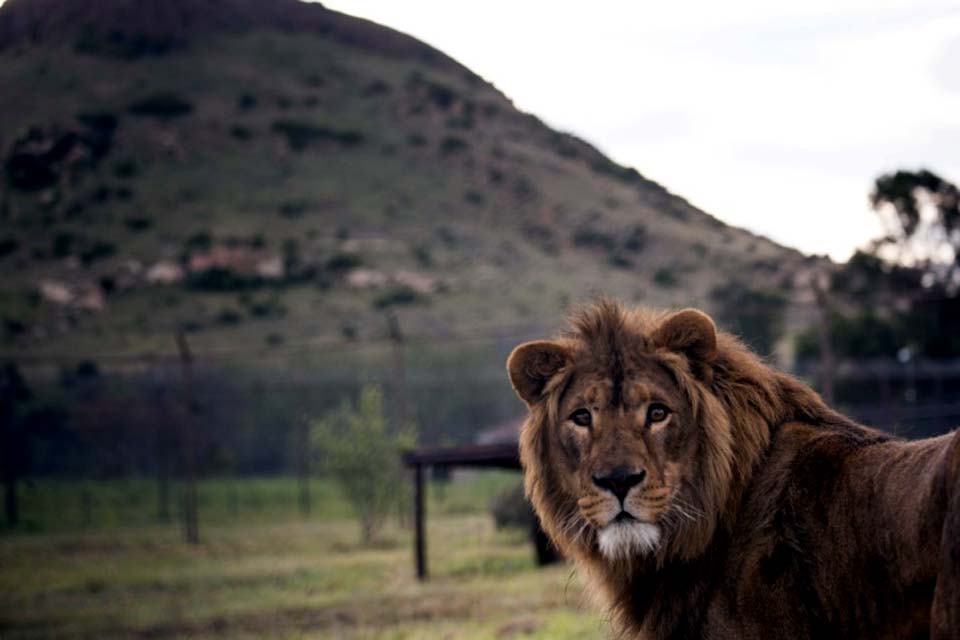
x,y
620,481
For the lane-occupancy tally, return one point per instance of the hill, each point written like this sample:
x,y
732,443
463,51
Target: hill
x,y
265,172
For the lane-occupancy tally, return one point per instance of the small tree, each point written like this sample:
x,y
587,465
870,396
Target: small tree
x,y
363,456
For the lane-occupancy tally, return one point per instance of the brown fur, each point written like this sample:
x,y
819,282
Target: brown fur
x,y
777,516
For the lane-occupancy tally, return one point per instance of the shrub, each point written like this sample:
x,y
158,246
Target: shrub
x,y
200,240
636,238
665,277
99,249
416,140
63,244
375,89
475,198
594,239
293,208
274,339
344,261
362,455
240,132
246,101
218,279
301,135
8,246
511,509
138,223
397,296
126,169
229,317
423,255
163,106
451,145
619,261
125,46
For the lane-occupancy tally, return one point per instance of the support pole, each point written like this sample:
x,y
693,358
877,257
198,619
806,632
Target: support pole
x,y
400,405
420,539
828,364
188,442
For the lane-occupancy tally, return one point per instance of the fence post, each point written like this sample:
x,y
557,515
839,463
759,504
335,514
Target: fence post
x,y
191,527
821,287
419,515
399,373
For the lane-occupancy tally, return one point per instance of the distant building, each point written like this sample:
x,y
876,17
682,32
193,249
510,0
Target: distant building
x,y
503,433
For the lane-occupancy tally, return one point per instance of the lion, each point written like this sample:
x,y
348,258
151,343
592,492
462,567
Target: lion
x,y
705,494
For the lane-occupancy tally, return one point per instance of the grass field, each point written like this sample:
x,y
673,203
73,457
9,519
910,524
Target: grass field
x,y
270,573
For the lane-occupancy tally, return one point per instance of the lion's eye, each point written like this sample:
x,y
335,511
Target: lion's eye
x,y
657,413
581,417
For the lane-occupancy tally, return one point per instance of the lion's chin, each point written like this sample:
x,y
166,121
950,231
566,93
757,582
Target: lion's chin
x,y
626,538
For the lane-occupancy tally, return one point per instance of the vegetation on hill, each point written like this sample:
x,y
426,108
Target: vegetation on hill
x,y
174,167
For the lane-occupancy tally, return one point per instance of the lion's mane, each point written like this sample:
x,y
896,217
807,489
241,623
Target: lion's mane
x,y
736,399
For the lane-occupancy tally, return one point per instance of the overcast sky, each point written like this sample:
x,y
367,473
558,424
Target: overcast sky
x,y
772,117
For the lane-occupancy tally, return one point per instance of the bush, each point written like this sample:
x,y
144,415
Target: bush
x,y
416,140
219,279
63,243
125,46
99,249
619,261
362,455
126,169
246,101
301,135
475,198
511,509
423,255
396,296
452,144
240,132
636,239
344,261
294,208
592,238
202,240
163,106
8,245
138,223
229,317
665,277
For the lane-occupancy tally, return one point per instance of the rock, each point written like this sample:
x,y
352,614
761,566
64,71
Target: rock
x,y
366,279
165,272
56,292
271,268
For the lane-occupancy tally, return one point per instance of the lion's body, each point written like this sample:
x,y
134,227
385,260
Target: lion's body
x,y
838,537
806,525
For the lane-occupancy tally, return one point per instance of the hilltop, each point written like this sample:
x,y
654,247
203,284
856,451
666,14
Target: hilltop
x,y
260,172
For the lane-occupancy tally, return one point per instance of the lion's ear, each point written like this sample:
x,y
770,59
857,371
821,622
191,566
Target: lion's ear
x,y
690,332
531,365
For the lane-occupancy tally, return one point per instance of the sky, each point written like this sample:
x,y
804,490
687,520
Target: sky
x,y
771,116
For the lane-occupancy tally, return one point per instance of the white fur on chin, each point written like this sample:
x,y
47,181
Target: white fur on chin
x,y
624,539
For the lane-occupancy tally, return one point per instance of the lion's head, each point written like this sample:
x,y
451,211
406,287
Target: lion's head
x,y
630,452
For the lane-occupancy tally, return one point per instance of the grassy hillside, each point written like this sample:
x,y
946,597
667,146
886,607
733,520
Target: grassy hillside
x,y
327,174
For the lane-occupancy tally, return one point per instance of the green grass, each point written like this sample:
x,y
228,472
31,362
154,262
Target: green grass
x,y
50,505
272,574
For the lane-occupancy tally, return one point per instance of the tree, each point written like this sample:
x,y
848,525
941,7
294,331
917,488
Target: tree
x,y
756,315
361,454
921,213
